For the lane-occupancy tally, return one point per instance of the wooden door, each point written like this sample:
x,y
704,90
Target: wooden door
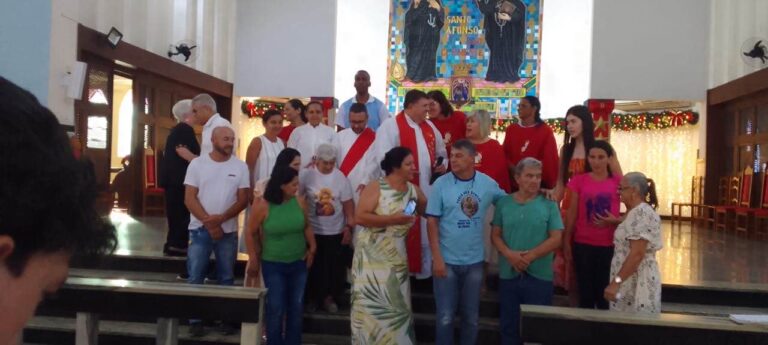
x,y
94,119
155,97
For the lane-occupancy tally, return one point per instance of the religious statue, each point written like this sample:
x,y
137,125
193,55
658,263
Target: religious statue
x,y
423,22
505,37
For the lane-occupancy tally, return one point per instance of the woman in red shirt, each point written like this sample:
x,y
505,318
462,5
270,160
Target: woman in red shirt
x,y
294,112
531,138
490,155
451,124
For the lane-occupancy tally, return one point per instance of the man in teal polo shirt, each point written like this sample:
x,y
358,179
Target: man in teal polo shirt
x,y
456,211
527,228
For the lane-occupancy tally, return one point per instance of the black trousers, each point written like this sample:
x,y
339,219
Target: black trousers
x,y
178,218
593,273
329,269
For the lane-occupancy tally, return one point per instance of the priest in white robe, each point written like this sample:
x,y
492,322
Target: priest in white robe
x,y
306,138
411,129
358,158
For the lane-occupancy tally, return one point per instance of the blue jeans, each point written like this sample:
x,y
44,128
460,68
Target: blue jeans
x,y
523,289
461,287
199,255
285,298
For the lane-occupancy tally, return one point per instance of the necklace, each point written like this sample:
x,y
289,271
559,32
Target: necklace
x,y
499,22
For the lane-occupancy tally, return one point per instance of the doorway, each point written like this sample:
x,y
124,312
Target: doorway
x,y
125,116
121,141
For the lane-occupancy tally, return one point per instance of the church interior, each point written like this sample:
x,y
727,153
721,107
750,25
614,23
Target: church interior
x,y
678,88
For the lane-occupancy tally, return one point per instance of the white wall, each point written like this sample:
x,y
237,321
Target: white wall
x,y
155,24
149,24
361,43
650,49
25,31
733,22
64,44
285,48
566,52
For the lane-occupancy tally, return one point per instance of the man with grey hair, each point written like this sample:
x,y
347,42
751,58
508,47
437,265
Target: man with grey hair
x,y
527,228
456,212
204,108
174,168
331,214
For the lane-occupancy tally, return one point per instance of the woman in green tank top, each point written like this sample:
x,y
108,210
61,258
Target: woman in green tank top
x,y
281,240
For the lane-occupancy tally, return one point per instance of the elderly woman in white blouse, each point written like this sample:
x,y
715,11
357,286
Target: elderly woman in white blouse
x,y
635,284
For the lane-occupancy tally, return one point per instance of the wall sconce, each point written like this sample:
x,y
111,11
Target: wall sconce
x,y
114,37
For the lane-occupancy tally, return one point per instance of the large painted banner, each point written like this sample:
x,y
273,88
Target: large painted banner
x,y
483,54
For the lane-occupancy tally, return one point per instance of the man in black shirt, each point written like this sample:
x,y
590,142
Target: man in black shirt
x,y
172,178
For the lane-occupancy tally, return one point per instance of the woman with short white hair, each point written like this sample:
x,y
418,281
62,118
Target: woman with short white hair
x,y
331,213
635,279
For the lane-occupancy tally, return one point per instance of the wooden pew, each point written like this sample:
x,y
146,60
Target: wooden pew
x,y
124,260
557,325
86,298
716,294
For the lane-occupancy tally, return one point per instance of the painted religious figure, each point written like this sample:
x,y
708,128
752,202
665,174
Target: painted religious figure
x,y
423,22
505,36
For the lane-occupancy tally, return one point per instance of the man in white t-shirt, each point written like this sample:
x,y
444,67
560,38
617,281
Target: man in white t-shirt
x,y
204,108
217,187
331,214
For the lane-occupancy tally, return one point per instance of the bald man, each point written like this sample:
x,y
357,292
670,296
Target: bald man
x,y
377,111
216,190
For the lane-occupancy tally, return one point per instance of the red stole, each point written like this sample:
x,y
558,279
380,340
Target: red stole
x,y
357,151
408,140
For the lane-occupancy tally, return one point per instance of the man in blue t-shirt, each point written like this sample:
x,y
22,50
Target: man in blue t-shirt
x,y
377,111
456,210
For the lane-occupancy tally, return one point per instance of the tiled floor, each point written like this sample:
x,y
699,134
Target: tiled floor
x,y
690,254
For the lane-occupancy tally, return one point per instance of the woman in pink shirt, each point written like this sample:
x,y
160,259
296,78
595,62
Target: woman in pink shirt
x,y
591,220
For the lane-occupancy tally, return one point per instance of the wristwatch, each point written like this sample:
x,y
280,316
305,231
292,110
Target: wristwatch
x,y
617,280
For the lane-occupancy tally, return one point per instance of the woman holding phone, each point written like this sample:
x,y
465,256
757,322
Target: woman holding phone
x,y
381,291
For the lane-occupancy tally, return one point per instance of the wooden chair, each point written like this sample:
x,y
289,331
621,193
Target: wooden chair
x,y
696,201
739,193
760,214
153,199
707,212
699,210
745,215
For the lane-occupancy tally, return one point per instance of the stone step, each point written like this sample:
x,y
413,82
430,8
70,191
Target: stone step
x,y
339,324
145,262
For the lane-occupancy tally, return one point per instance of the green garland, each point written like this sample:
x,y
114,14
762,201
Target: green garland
x,y
622,122
257,109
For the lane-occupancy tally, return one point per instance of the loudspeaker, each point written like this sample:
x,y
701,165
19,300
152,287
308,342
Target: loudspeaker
x,y
76,80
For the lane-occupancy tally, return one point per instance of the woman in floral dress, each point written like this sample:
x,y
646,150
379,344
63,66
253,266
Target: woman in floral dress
x,y
635,279
381,292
